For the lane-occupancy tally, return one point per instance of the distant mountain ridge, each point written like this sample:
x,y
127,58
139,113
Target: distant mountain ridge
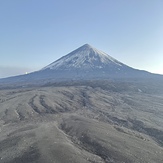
x,y
84,63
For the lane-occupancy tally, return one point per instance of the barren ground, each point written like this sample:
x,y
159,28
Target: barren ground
x,y
81,124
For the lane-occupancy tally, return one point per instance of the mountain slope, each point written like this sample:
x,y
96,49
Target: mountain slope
x,y
85,57
84,63
81,124
88,62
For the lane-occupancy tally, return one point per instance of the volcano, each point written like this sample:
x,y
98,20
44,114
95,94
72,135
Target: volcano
x,y
84,63
85,57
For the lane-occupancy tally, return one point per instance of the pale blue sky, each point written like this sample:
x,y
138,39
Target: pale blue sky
x,y
34,33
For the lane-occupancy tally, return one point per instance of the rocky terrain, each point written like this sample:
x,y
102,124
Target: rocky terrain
x,y
86,107
82,122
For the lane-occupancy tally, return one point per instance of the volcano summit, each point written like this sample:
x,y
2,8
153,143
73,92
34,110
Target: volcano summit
x,y
85,57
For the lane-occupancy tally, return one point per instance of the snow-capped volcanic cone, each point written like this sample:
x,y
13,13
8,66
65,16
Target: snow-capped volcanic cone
x,y
84,63
85,57
87,62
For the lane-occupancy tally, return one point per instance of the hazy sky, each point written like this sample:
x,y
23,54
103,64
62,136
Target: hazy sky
x,y
34,33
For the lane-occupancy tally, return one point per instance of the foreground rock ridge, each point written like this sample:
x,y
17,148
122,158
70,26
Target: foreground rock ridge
x,y
99,122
